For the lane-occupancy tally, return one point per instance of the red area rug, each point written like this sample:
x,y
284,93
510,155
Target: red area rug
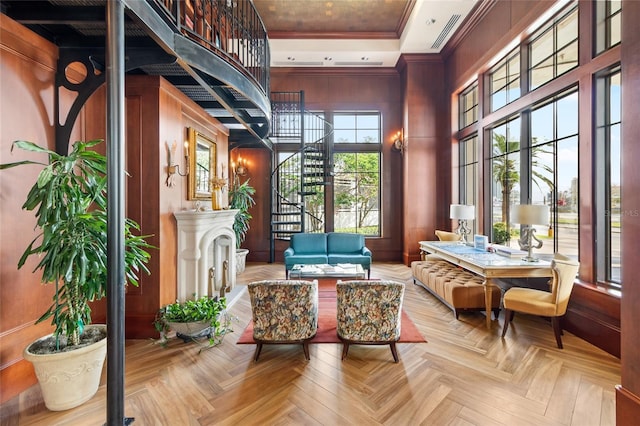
x,y
327,323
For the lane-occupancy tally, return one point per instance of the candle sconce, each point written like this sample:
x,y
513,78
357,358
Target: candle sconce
x,y
173,169
239,168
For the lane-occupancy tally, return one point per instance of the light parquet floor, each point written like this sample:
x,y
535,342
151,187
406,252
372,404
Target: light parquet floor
x,y
464,375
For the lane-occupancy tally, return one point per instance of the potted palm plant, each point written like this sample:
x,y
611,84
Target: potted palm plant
x,y
241,198
69,201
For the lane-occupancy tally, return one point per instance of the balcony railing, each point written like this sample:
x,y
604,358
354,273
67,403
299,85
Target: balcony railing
x,y
231,28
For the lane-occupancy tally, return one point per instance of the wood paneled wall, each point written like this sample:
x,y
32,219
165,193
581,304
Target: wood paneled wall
x,y
26,83
157,113
628,395
593,313
426,185
350,89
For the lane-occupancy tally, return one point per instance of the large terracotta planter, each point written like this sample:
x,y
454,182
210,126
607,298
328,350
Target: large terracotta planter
x,y
68,379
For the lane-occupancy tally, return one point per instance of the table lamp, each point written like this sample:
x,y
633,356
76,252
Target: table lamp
x,y
529,215
462,213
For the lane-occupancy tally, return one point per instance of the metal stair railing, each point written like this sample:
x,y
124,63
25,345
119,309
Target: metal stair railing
x,y
297,182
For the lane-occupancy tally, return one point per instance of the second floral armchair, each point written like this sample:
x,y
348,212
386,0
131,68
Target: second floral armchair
x,y
369,313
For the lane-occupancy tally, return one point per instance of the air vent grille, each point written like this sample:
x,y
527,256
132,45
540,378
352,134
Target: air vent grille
x,y
298,63
359,64
445,31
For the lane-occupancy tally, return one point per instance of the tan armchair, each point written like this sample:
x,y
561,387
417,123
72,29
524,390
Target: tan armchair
x,y
447,236
284,311
551,304
369,313
442,236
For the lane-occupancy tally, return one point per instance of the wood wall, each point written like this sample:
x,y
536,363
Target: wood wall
x,y
628,394
350,89
157,113
604,319
26,84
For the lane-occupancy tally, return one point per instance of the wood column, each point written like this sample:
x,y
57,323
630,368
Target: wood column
x,y
426,160
628,393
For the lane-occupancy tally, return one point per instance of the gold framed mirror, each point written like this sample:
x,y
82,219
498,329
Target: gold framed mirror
x,y
202,164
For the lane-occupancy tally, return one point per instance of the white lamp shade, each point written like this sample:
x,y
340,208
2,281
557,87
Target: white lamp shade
x,y
530,214
461,211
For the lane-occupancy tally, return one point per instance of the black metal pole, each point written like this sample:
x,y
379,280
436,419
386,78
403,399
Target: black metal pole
x,y
115,213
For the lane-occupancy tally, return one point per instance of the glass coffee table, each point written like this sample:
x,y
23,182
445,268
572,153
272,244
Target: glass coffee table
x,y
341,270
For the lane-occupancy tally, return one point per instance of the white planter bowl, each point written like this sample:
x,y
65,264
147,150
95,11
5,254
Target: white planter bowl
x,y
190,329
241,260
69,379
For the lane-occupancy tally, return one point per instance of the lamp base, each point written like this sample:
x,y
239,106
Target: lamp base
x,y
530,259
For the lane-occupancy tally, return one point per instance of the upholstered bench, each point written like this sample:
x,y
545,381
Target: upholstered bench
x,y
460,290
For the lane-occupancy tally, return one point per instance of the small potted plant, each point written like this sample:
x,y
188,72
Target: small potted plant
x,y
69,200
204,316
241,198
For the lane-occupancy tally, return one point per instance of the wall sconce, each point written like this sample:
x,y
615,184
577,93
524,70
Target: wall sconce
x,y
529,215
241,168
462,213
173,169
399,142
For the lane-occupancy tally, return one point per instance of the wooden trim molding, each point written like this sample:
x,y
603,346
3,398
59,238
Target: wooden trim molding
x,y
333,71
627,406
478,12
594,316
346,35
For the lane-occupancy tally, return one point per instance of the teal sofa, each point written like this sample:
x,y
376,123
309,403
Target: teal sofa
x,y
331,248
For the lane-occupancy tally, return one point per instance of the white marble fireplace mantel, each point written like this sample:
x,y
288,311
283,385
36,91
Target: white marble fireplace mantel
x,y
205,240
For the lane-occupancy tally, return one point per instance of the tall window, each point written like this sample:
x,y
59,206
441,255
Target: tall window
x,y
505,177
553,50
553,178
468,101
608,180
356,160
534,160
467,173
608,19
504,81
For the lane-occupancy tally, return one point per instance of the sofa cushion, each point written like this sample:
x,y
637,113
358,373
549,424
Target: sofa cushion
x,y
306,259
338,243
309,244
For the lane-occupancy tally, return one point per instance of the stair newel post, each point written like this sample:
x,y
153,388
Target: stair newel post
x,y
303,160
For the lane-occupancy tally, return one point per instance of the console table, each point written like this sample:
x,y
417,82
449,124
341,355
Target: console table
x,y
486,264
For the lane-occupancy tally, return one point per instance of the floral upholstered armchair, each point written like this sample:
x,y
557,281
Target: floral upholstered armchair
x,y
284,311
369,313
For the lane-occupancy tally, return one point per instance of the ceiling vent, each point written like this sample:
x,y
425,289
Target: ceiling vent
x,y
445,31
359,64
298,63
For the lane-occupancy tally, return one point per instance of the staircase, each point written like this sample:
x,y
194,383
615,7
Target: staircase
x,y
298,181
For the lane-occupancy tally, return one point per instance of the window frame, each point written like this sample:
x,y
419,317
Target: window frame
x,y
505,63
468,167
603,183
552,27
471,91
355,147
603,18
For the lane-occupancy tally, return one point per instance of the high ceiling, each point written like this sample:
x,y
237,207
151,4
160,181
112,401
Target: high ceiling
x,y
352,33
